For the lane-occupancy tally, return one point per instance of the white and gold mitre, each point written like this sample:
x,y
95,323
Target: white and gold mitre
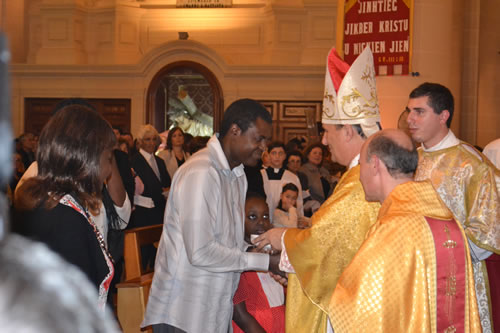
x,y
350,93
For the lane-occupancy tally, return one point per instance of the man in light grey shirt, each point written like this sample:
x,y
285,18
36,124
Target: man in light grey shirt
x,y
202,251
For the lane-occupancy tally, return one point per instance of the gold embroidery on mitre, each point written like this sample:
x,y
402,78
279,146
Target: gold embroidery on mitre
x,y
355,104
356,100
329,97
329,114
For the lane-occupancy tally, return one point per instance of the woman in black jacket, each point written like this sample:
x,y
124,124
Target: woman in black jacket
x,y
58,205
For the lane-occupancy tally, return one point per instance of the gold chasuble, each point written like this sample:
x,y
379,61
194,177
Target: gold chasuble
x,y
465,181
467,186
320,254
412,274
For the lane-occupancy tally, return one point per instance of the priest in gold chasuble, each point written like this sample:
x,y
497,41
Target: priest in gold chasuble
x,y
413,272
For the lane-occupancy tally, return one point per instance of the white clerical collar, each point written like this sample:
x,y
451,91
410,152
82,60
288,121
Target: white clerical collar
x,y
448,141
354,162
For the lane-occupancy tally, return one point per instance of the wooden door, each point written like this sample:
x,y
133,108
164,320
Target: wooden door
x,y
37,112
294,119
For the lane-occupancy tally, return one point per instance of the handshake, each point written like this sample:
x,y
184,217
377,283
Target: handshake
x,y
270,242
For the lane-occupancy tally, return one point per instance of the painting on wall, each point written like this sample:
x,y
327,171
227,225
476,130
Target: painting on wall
x,y
182,95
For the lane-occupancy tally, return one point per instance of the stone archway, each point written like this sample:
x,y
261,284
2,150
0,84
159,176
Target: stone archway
x,y
185,93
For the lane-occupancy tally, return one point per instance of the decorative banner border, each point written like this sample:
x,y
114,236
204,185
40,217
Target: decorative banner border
x,y
384,25
204,3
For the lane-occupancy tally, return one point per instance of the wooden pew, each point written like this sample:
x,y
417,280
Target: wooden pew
x,y
134,239
133,293
132,299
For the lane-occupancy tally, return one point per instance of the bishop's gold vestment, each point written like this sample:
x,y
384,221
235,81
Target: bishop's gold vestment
x,y
465,181
391,284
320,254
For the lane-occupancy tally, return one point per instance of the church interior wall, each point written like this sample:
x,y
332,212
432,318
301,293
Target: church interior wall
x,y
488,120
262,49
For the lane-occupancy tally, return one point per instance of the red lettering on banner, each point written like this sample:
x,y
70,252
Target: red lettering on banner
x,y
393,25
384,25
377,6
359,28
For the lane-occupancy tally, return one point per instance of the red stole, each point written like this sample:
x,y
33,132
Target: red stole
x,y
450,275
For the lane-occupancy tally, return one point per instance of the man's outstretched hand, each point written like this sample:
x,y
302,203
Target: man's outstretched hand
x,y
272,236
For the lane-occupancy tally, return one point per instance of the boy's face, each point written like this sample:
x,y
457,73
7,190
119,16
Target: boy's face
x,y
277,157
288,199
256,217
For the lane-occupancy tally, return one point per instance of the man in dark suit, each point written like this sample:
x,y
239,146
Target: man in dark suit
x,y
150,205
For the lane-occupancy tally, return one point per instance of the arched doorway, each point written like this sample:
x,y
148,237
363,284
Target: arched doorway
x,y
185,94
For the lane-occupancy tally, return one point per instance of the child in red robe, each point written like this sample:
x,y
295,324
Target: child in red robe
x,y
259,300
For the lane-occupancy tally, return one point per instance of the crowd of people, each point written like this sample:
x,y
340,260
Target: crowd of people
x,y
392,238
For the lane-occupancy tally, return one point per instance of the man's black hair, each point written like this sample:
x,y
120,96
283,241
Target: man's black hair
x,y
244,113
275,144
440,98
